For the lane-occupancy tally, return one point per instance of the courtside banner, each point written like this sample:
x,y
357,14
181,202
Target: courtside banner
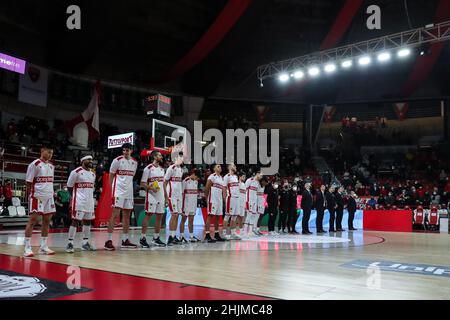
x,y
12,63
118,140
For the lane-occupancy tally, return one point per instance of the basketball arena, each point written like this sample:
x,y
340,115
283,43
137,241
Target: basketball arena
x,y
225,150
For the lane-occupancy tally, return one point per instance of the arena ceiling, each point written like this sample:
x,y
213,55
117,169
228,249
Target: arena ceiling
x,y
142,42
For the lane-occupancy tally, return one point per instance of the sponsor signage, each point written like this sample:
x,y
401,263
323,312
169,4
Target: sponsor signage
x,y
12,63
422,269
118,140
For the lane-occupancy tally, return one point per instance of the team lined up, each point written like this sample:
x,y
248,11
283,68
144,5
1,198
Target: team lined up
x,y
244,201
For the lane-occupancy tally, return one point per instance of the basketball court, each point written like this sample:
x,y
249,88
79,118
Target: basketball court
x,y
284,267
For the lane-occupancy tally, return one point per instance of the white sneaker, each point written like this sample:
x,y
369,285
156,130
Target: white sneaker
x,y
46,250
28,253
227,237
235,237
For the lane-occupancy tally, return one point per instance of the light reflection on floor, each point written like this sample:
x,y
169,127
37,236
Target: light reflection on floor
x,y
262,243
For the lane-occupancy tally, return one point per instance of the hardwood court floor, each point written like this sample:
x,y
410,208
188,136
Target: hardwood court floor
x,y
285,267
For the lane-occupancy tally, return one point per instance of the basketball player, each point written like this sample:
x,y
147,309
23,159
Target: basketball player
x,y
40,175
173,193
190,192
121,175
214,192
260,204
251,185
242,195
153,183
81,185
231,184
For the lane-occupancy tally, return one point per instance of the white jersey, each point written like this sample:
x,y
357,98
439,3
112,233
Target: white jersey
x,y
82,181
173,176
260,199
124,171
190,193
252,186
215,194
242,193
41,174
231,183
151,174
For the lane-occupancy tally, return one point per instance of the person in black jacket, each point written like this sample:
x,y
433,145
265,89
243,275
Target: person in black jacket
x,y
307,203
284,207
351,207
272,205
320,205
331,206
339,196
293,213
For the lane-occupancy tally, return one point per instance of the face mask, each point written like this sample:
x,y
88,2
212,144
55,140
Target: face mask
x,y
65,189
297,179
294,188
275,186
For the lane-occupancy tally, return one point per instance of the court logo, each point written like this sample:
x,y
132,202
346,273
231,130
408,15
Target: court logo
x,y
211,146
421,269
20,287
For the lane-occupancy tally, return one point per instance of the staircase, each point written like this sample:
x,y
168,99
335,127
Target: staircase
x,y
321,165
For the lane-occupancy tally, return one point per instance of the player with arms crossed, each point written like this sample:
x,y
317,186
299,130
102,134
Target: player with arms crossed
x,y
242,196
260,204
190,193
40,175
153,182
252,185
214,193
231,183
81,185
173,194
122,171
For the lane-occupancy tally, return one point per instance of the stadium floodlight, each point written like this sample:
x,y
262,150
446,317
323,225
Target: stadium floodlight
x,y
364,61
314,71
347,64
329,68
298,74
404,52
284,77
384,56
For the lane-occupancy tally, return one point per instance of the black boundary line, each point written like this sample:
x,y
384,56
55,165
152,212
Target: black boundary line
x,y
183,284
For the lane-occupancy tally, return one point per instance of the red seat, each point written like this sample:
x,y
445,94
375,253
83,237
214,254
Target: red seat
x,y
433,219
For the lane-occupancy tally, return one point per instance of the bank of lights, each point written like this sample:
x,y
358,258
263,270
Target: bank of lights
x,y
331,67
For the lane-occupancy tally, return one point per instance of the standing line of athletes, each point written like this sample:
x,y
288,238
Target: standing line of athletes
x,y
244,201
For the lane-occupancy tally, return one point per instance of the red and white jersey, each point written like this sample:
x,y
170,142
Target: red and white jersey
x,y
151,174
124,170
252,186
231,182
260,199
41,174
82,181
216,192
190,193
173,176
242,193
